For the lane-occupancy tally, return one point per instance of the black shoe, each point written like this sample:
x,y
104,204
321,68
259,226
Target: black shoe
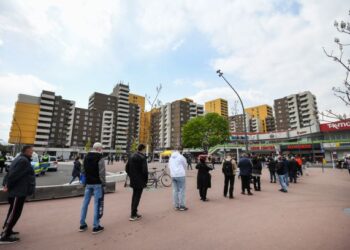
x,y
243,193
250,193
14,233
8,240
232,197
205,200
183,209
98,230
83,228
139,216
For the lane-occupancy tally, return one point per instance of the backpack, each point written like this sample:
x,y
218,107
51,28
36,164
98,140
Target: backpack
x,y
227,168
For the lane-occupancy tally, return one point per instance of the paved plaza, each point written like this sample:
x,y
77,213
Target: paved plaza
x,y
311,216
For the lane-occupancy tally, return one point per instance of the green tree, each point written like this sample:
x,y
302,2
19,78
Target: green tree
x,y
205,131
134,146
88,145
118,150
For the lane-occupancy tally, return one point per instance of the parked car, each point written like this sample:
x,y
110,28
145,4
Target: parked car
x,y
53,164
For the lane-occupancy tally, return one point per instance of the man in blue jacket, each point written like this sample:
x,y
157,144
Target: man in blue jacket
x,y
245,171
19,183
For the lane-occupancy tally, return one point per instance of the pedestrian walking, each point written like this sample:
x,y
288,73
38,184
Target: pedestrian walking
x,y
95,174
18,183
280,168
293,169
177,166
256,173
229,169
203,178
137,170
108,159
112,159
245,171
189,162
272,169
76,169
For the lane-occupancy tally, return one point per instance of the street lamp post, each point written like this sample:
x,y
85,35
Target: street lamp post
x,y
244,113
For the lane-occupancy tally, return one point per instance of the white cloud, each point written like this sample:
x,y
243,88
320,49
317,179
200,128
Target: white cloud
x,y
11,85
74,30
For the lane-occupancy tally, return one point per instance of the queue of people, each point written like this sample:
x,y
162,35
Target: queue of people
x,y
20,181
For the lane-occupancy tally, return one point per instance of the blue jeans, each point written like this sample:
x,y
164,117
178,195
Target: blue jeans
x,y
286,179
179,188
96,191
283,184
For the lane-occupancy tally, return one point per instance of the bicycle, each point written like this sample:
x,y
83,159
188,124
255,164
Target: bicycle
x,y
153,178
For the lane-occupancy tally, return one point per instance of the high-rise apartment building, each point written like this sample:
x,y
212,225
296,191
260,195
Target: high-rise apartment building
x,y
45,121
143,126
172,117
296,111
219,106
25,120
236,123
261,118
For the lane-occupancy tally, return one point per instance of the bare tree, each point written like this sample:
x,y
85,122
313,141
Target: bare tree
x,y
154,103
342,92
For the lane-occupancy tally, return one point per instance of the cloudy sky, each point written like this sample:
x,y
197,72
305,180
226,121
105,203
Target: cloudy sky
x,y
266,48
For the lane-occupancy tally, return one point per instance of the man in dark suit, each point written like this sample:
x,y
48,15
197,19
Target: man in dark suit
x,y
137,170
245,171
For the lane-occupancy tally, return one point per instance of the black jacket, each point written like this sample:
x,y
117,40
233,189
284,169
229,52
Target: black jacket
x,y
76,169
94,169
272,165
280,168
137,170
20,179
203,176
245,167
257,168
292,167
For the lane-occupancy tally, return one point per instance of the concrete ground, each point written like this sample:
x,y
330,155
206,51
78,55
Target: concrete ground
x,y
310,216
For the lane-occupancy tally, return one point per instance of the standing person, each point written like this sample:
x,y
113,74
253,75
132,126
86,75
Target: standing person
x,y
300,164
18,183
256,173
95,174
293,168
108,159
2,162
112,159
203,178
245,168
213,161
189,162
286,170
229,169
272,169
177,166
280,168
137,170
76,169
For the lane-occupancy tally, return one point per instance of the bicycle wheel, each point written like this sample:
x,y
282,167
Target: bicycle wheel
x,y
166,180
151,180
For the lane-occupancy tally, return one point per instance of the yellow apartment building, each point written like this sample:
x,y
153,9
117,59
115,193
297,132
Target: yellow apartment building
x,y
25,120
219,106
261,112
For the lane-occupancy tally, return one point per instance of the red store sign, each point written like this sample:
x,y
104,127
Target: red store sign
x,y
303,146
336,126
